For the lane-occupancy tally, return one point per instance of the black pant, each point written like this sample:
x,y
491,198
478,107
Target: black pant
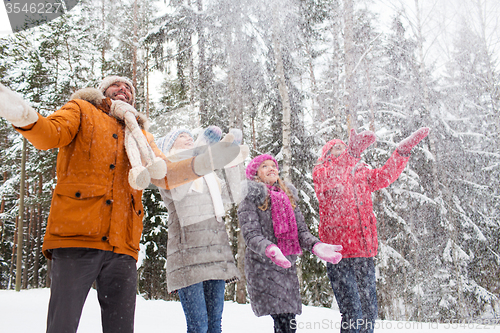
x,y
283,324
73,272
354,285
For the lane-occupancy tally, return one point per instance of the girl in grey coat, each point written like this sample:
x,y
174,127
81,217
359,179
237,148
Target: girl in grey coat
x,y
199,259
275,233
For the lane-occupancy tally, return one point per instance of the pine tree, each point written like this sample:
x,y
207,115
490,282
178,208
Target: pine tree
x,y
471,105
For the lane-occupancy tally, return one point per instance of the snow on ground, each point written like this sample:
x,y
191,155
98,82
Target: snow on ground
x,y
25,312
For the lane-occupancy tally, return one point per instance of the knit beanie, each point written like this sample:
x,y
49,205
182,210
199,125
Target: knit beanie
x,y
254,165
165,143
109,80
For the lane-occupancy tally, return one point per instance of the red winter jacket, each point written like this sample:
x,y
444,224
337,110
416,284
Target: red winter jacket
x,y
344,187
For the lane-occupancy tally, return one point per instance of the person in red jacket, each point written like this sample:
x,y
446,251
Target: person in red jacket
x,y
344,186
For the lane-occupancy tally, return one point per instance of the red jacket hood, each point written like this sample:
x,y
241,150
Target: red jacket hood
x,y
326,148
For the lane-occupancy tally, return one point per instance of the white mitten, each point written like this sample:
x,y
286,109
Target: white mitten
x,y
244,150
228,138
216,156
14,108
328,252
274,253
120,108
158,168
242,156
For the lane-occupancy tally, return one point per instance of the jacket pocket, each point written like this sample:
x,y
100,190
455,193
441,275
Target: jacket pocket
x,y
77,210
135,228
349,237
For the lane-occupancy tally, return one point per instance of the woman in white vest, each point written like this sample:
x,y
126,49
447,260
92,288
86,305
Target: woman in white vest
x,y
199,258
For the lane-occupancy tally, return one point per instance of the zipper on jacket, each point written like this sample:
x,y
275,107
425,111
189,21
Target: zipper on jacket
x,y
357,208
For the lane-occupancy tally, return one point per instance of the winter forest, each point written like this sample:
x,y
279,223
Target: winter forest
x,y
292,74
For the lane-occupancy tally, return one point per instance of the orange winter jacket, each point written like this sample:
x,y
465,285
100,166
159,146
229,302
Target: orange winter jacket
x,y
93,205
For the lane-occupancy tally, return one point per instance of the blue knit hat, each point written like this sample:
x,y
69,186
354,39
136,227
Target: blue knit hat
x,y
165,143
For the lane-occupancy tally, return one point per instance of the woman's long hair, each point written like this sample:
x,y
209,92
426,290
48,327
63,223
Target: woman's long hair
x,y
282,186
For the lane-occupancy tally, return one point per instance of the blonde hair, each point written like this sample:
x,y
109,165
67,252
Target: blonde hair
x,y
282,186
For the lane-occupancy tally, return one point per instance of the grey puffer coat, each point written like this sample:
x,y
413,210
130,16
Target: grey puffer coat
x,y
198,250
272,289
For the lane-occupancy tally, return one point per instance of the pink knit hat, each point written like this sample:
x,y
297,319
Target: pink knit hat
x,y
254,165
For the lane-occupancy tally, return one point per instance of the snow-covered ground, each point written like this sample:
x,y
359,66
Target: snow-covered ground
x,y
25,312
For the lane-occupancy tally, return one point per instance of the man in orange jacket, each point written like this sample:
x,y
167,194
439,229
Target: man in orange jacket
x,y
95,221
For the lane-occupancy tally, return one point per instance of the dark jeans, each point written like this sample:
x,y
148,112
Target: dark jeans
x,y
203,304
283,324
73,272
353,283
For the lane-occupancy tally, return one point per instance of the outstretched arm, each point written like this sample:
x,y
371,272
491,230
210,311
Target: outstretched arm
x,y
404,147
178,173
386,175
55,131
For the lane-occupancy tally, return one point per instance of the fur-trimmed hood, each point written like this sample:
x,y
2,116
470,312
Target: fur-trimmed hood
x,y
96,98
257,192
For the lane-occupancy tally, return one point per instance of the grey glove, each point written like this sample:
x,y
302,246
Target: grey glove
x,y
216,156
15,109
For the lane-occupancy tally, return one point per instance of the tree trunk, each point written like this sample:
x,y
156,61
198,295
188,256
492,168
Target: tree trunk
x,y
235,92
491,81
202,67
134,47
103,50
285,99
146,79
236,121
241,292
370,101
38,234
48,280
2,208
337,88
350,61
19,262
318,110
432,141
13,255
28,245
